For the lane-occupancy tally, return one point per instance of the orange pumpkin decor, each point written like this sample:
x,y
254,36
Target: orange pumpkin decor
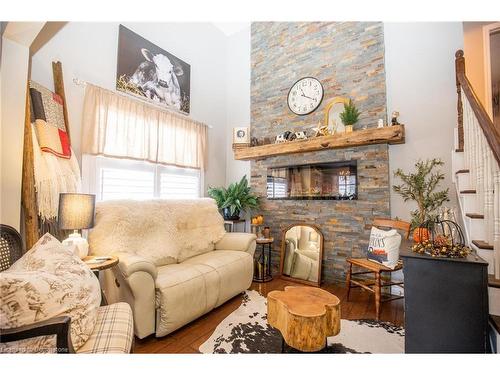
x,y
255,221
260,219
420,234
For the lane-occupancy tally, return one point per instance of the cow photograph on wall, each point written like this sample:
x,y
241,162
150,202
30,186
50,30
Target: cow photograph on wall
x,y
150,72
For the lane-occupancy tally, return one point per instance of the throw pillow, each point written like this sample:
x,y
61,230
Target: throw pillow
x,y
384,247
48,281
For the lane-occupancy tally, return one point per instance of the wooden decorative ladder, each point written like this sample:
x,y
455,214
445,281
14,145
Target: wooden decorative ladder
x,y
476,163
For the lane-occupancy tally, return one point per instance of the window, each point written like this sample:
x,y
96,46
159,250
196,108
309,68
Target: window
x,y
111,178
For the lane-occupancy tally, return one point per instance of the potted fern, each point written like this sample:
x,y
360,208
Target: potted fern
x,y
350,116
420,187
235,199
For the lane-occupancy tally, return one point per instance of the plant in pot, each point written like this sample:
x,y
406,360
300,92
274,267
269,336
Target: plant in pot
x,y
235,199
350,116
420,186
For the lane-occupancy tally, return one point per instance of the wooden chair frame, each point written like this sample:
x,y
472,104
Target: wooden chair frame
x,y
59,326
376,284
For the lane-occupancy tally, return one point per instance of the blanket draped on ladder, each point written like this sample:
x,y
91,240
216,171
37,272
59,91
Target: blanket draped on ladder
x,y
56,169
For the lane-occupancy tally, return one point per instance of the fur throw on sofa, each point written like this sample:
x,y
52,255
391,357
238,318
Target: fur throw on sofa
x,y
163,231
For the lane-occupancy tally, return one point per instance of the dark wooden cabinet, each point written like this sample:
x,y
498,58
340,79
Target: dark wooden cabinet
x,y
446,304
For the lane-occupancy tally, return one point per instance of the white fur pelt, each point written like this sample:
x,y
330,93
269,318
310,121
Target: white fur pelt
x,y
163,231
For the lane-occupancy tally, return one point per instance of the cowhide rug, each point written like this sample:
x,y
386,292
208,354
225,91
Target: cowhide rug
x,y
246,331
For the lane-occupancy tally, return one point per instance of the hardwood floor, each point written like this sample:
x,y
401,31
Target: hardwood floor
x,y
188,338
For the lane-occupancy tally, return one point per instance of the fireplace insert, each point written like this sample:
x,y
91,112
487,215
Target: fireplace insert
x,y
335,180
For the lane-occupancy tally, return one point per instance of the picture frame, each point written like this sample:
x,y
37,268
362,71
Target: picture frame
x,y
147,71
241,136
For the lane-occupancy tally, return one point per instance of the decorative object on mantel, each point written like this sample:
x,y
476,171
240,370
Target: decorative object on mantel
x,y
394,118
350,116
305,96
387,134
322,130
419,187
445,239
290,136
380,123
332,118
149,72
241,137
236,198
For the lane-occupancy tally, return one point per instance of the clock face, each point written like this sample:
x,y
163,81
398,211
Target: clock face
x,y
305,96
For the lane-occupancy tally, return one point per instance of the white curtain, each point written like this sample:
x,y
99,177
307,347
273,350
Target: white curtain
x,y
116,126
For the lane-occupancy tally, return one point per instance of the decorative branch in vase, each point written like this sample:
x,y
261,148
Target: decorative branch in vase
x,y
420,187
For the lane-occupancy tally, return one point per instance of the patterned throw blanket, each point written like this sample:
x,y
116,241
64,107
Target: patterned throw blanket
x,y
55,166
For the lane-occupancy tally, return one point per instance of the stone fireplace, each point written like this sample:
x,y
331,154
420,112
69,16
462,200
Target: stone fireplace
x,y
348,58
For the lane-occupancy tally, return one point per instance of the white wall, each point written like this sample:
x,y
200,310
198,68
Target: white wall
x,y
88,51
420,78
238,98
14,72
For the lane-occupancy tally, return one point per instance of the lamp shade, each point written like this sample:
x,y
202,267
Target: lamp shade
x,y
76,211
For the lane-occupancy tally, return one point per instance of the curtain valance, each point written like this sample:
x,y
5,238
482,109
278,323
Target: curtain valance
x,y
117,126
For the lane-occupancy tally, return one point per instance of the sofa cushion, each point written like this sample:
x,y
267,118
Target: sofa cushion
x,y
184,292
163,231
49,281
234,270
113,332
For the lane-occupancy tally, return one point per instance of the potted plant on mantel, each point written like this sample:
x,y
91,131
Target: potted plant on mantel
x,y
420,187
235,199
350,116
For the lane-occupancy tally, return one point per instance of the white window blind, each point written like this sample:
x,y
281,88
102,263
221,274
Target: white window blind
x,y
111,178
121,183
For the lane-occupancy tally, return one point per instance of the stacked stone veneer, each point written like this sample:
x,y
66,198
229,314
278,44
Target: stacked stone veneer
x,y
348,58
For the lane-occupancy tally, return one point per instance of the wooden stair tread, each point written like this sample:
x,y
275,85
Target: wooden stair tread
x,y
482,244
462,171
494,283
468,191
475,216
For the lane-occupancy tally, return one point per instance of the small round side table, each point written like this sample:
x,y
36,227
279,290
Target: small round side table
x,y
96,266
262,272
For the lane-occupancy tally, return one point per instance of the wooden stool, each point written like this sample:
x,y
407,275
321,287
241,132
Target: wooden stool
x,y
304,315
376,268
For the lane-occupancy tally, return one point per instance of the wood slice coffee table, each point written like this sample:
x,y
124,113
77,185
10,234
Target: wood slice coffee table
x,y
304,315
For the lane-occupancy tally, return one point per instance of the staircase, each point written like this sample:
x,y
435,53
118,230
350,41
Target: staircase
x,y
476,163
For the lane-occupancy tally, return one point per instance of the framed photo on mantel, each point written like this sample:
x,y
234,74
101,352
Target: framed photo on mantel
x,y
241,137
149,72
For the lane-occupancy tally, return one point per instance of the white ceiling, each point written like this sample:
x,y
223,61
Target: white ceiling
x,y
230,28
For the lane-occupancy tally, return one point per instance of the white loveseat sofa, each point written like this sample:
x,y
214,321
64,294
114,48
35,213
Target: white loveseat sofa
x,y
176,260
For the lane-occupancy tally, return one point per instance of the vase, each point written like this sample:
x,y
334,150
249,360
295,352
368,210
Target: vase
x,y
226,213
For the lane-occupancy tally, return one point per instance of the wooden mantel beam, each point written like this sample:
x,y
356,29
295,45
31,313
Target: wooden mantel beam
x,y
389,134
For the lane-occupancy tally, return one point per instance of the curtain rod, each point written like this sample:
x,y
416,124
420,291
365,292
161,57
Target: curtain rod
x,y
79,82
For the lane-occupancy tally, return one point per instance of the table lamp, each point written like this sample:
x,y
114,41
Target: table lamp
x,y
76,212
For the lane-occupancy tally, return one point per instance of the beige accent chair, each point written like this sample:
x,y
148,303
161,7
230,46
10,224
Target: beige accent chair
x,y
166,297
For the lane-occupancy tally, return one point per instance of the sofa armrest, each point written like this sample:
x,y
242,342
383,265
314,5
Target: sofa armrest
x,y
131,263
238,242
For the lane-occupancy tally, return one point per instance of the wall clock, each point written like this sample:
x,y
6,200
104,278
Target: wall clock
x,y
305,96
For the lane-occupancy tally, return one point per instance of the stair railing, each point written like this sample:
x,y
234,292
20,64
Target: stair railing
x,y
479,139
